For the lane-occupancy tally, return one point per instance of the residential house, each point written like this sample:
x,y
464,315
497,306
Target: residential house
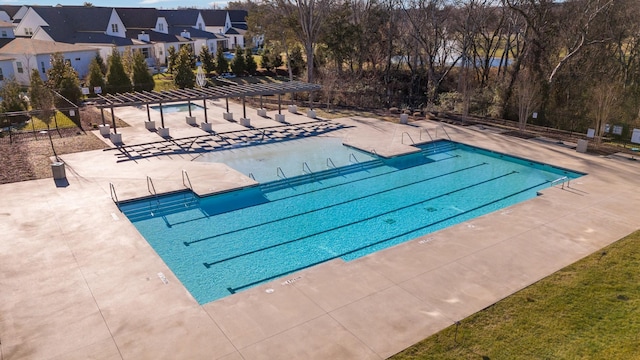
x,y
189,23
12,13
220,22
27,54
89,29
150,26
99,28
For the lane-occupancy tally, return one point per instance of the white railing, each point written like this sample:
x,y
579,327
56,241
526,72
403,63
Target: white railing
x,y
563,180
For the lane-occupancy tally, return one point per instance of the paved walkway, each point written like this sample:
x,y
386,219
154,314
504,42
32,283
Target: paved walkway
x,y
78,281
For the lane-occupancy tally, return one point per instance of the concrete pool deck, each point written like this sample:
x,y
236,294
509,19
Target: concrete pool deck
x,y
78,281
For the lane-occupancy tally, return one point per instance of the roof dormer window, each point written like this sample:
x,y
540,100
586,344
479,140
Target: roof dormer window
x,y
114,28
161,27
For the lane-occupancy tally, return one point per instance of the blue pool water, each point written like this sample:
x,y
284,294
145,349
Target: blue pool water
x,y
173,108
222,244
289,158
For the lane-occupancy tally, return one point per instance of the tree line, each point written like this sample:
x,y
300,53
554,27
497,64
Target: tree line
x,y
573,63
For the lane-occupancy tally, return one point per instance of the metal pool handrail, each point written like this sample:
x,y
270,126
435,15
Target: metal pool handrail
x,y
427,131
114,196
351,155
279,172
410,138
150,187
562,180
444,130
329,161
185,175
306,168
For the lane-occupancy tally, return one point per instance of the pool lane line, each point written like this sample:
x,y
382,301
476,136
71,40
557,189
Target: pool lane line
x,y
208,265
233,290
187,243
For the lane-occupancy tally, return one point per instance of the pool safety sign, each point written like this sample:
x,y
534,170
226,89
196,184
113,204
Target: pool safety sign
x,y
635,136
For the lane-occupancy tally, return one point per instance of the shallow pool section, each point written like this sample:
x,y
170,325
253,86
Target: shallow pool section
x,y
226,243
289,159
173,108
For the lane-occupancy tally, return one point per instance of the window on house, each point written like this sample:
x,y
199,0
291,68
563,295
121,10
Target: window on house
x,y
160,52
19,66
42,67
4,33
161,27
145,52
1,75
200,26
114,28
28,31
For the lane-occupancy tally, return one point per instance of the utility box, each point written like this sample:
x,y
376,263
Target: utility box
x,y
104,129
58,170
582,146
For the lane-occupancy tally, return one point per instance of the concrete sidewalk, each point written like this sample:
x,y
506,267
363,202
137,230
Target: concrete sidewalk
x,y
78,281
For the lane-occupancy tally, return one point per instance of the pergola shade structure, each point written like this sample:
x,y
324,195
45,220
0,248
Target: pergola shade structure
x,y
169,96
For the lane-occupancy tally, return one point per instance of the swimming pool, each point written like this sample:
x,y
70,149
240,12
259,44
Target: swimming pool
x,y
173,108
222,244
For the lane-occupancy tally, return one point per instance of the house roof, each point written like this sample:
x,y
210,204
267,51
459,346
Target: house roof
x,y
238,16
181,17
155,36
70,19
11,10
6,24
213,17
232,31
194,33
138,18
92,38
26,46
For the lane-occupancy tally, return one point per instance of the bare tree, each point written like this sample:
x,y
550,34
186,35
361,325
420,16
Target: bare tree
x,y
604,97
428,22
310,15
528,93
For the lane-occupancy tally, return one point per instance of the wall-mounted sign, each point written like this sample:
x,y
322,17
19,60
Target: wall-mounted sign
x,y
635,136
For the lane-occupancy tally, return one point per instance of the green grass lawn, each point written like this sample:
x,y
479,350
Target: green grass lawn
x,y
588,310
62,120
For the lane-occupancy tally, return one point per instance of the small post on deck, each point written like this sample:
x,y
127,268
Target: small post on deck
x,y
311,113
227,100
244,109
161,115
148,113
102,113
204,105
189,105
279,103
113,120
